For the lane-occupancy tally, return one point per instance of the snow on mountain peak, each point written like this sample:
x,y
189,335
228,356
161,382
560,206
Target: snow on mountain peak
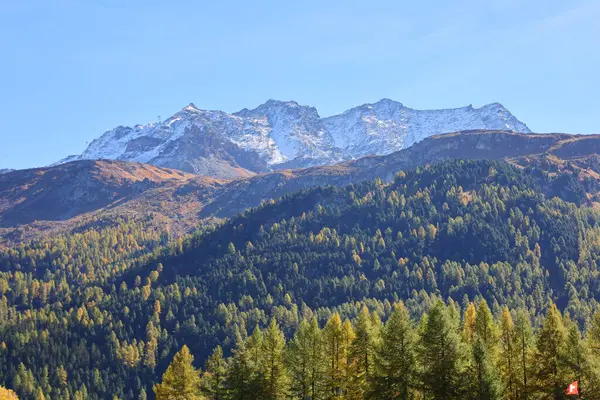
x,y
283,134
191,107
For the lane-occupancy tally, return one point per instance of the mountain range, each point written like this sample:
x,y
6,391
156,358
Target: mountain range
x,y
65,197
284,134
99,272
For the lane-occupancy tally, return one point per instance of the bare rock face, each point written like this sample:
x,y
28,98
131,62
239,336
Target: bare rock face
x,y
284,134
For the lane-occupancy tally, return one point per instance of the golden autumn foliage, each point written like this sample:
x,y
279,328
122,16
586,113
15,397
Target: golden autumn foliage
x,y
7,394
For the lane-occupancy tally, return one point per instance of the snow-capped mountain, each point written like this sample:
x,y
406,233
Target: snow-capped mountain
x,y
281,134
388,126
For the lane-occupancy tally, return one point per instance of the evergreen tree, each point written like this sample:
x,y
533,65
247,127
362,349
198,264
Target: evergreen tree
x,y
484,355
441,355
334,345
577,358
488,382
396,358
348,336
523,341
273,369
214,376
509,355
256,360
241,373
362,356
306,362
180,381
549,354
592,342
39,394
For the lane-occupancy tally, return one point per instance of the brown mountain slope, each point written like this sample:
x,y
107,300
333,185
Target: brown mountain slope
x,y
34,202
68,190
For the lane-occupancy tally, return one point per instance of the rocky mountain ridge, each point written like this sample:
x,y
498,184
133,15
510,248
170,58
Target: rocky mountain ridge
x,y
284,134
61,198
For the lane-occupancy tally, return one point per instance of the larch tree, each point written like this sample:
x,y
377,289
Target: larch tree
x,y
362,356
333,342
485,326
523,343
180,381
508,357
484,354
273,367
592,342
468,332
7,394
348,336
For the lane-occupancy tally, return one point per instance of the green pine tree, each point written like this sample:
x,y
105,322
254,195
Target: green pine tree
x,y
441,355
550,377
396,358
509,355
273,367
577,358
241,373
214,376
523,342
362,356
306,363
334,347
486,376
484,355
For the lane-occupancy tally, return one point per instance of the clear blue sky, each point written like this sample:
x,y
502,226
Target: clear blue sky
x,y
70,70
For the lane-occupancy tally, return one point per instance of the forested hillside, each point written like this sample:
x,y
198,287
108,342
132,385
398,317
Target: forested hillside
x,y
98,315
440,357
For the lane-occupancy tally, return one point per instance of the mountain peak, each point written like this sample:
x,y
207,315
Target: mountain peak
x,y
493,105
285,134
388,102
274,102
191,107
282,105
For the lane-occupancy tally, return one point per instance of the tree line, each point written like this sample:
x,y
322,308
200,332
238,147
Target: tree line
x,y
448,353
